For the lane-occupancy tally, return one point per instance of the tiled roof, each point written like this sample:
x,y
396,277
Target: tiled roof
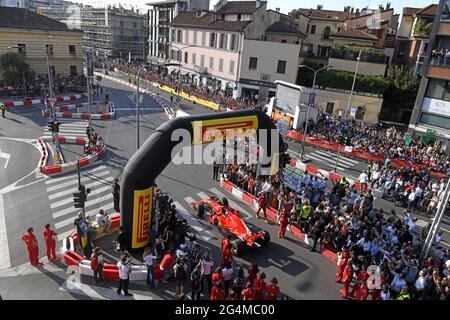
x,y
408,11
243,7
430,10
191,19
18,18
327,14
283,28
354,34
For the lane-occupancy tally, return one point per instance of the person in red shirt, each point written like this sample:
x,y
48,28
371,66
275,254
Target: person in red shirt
x,y
32,246
167,264
227,255
253,271
262,206
218,276
217,292
284,220
347,279
50,242
273,290
363,292
345,254
225,242
376,292
361,279
260,286
248,293
235,295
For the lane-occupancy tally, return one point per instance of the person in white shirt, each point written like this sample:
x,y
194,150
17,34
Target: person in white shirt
x,y
411,201
149,260
124,276
363,178
102,220
420,284
385,293
227,273
206,270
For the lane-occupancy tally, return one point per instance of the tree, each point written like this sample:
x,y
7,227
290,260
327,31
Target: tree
x,y
423,29
401,77
14,67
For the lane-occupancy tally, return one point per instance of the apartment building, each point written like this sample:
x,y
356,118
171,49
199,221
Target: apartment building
x,y
161,15
226,48
431,114
33,35
414,36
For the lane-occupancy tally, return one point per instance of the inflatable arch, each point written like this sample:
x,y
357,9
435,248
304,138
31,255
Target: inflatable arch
x,y
155,154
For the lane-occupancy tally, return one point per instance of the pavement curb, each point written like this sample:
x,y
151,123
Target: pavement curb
x,y
43,149
72,166
32,102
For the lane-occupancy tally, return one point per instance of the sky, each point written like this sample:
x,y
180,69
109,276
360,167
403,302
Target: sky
x,y
288,5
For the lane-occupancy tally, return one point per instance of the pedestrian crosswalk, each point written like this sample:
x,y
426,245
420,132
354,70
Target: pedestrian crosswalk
x,y
201,226
329,159
60,194
69,128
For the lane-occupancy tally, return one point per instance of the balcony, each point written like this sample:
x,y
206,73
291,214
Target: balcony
x,y
440,61
444,28
369,55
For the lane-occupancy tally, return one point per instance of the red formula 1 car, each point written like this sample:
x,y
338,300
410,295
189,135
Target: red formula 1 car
x,y
230,222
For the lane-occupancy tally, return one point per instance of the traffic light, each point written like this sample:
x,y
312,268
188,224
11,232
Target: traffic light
x,y
51,125
80,197
56,126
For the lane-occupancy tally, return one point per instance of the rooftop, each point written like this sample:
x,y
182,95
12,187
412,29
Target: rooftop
x,y
281,27
430,11
18,18
242,7
206,21
327,14
354,34
409,11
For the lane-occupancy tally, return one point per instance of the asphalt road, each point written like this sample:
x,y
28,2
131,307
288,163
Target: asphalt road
x,y
301,274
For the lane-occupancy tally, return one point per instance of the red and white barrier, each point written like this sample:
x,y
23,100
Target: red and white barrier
x,y
44,153
72,140
29,102
73,106
84,116
72,166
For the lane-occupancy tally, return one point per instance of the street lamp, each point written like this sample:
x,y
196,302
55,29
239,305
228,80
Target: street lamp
x,y
302,156
179,66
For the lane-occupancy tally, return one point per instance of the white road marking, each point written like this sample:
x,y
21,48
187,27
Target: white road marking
x,y
72,176
5,259
196,225
75,182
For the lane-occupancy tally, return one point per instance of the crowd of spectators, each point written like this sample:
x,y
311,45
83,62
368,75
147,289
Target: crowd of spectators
x,y
224,98
181,259
38,87
337,216
387,142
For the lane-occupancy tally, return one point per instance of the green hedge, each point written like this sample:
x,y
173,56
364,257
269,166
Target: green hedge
x,y
339,79
352,52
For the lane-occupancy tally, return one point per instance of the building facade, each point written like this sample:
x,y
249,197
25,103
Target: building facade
x,y
226,48
431,114
161,15
32,35
109,32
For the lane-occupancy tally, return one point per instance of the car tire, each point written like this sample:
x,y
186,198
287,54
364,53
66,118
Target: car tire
x,y
237,246
266,237
200,211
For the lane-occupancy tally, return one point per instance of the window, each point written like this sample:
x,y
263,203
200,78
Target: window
x,y
223,41
435,120
239,17
22,48
234,42
180,36
221,65
121,24
186,36
281,68
211,63
326,32
212,40
203,39
72,50
202,61
134,25
232,64
195,37
253,64
194,59
283,41
73,71
313,29
186,57
49,48
307,28
438,89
